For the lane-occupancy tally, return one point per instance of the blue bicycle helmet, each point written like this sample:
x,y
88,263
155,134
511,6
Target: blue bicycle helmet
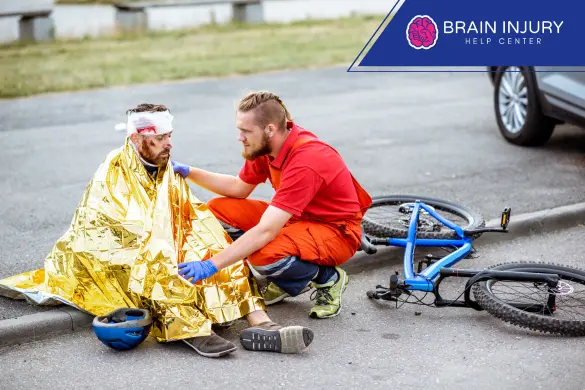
x,y
123,329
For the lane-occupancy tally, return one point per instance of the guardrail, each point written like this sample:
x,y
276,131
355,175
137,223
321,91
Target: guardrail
x,y
133,17
35,22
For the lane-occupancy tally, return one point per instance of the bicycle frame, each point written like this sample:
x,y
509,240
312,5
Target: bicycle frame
x,y
424,281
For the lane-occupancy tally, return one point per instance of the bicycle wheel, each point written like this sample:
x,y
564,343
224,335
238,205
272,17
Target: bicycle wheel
x,y
568,314
387,219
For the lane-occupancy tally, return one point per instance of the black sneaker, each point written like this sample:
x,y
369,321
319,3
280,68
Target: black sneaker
x,y
269,336
211,346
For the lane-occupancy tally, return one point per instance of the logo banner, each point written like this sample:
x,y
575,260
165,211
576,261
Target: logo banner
x,y
460,33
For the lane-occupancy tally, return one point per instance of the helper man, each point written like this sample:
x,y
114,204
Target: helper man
x,y
311,226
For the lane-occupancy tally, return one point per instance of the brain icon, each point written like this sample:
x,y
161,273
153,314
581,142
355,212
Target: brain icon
x,y
422,32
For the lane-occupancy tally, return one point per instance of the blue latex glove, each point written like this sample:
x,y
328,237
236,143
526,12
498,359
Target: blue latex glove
x,y
197,270
181,169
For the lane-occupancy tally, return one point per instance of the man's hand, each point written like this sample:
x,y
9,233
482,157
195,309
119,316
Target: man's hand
x,y
181,169
197,270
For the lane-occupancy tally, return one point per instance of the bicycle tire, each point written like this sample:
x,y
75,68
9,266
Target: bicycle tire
x,y
373,228
523,319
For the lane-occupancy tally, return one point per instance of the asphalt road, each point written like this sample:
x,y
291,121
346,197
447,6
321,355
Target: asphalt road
x,y
430,134
371,344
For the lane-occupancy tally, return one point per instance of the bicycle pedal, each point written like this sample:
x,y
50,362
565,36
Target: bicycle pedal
x,y
472,255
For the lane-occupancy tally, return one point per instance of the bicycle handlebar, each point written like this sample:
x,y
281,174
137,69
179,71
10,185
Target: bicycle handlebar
x,y
505,219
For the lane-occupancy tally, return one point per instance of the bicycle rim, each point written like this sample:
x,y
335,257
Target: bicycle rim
x,y
524,304
384,219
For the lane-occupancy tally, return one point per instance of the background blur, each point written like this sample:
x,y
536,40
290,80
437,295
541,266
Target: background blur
x,y
84,18
69,72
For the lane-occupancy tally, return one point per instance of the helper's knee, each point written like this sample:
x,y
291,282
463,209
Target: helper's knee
x,y
215,205
222,209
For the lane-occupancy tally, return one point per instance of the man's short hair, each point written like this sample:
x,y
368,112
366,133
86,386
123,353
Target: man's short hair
x,y
147,107
268,108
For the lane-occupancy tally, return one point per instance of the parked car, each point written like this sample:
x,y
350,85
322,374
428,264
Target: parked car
x,y
530,101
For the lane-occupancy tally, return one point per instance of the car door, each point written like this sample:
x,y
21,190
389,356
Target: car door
x,y
563,87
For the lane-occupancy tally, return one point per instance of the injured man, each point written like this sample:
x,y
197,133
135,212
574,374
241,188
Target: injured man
x,y
136,222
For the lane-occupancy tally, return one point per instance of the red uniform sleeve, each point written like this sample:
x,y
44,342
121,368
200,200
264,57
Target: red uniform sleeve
x,y
254,172
298,186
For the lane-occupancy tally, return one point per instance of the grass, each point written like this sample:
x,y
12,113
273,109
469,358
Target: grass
x,y
209,51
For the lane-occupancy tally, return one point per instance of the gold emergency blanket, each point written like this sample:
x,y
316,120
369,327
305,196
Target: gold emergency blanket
x,y
122,248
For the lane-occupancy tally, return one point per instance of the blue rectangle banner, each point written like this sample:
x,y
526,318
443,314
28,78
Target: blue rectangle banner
x,y
456,33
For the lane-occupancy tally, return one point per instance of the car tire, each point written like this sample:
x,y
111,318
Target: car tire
x,y
517,108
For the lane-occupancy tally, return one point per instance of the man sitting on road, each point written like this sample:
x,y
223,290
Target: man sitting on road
x,y
311,226
136,235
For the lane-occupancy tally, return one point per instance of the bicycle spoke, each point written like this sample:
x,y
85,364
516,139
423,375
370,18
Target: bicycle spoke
x,y
536,295
391,216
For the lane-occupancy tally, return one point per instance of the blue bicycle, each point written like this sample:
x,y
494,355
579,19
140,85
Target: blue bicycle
x,y
539,296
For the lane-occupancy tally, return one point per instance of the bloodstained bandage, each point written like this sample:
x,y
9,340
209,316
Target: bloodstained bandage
x,y
149,123
148,129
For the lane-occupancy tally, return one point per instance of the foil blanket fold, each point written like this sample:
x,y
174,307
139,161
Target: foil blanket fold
x,y
127,236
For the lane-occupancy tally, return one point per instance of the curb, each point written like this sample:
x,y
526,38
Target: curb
x,y
537,222
38,326
66,319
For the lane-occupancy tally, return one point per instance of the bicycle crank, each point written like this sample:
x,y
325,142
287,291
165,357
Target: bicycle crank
x,y
390,293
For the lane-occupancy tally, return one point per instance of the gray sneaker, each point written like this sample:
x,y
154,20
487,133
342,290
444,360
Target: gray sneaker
x,y
211,346
269,336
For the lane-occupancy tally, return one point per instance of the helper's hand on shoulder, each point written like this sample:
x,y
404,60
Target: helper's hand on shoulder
x,y
197,270
181,169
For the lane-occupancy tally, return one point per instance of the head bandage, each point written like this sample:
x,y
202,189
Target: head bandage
x,y
147,123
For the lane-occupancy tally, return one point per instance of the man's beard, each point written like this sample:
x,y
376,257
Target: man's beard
x,y
262,150
151,157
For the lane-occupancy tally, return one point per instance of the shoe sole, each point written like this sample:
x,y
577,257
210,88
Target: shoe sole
x,y
276,300
283,296
343,287
212,354
291,339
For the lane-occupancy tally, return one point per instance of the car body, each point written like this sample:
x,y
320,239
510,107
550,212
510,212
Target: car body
x,y
530,101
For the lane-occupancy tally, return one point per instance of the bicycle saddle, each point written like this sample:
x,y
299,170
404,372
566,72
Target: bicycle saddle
x,y
366,245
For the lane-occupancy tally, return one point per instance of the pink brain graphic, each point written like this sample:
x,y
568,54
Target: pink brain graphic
x,y
422,32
